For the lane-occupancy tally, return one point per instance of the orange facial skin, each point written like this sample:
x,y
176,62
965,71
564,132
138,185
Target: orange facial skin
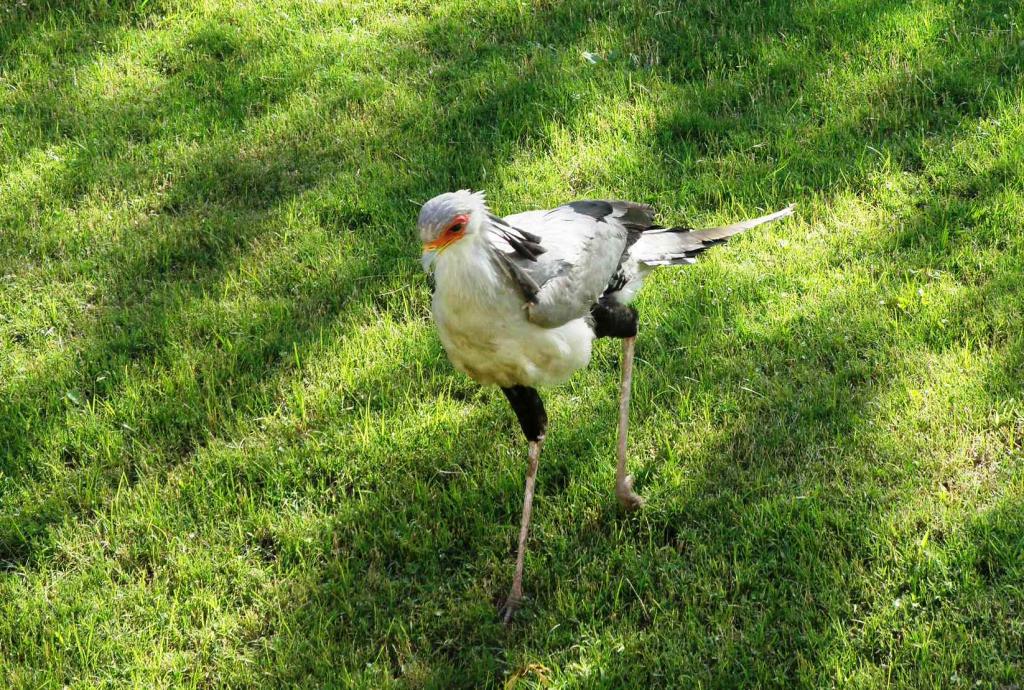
x,y
453,232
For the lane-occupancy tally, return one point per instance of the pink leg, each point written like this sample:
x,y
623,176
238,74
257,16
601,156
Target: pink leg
x,y
629,499
515,596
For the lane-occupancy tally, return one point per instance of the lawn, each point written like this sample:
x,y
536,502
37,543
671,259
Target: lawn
x,y
234,454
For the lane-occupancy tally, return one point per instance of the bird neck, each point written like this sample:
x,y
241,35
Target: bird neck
x,y
467,270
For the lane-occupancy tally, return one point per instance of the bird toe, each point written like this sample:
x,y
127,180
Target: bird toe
x,y
508,609
629,499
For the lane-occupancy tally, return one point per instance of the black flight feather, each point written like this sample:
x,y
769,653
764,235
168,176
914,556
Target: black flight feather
x,y
525,244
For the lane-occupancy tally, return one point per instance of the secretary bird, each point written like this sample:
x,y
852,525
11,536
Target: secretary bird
x,y
519,300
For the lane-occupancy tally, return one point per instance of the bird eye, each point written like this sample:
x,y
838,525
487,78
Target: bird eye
x,y
456,227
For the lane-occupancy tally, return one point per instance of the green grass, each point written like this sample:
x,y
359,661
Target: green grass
x,y
233,453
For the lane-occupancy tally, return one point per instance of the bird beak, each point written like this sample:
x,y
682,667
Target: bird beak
x,y
438,244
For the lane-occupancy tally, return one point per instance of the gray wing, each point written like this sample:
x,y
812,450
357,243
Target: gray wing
x,y
583,244
567,259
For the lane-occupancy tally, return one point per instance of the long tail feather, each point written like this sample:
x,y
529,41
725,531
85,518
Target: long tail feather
x,y
682,245
736,228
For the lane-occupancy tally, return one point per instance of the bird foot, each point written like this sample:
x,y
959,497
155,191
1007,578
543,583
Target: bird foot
x,y
509,608
629,499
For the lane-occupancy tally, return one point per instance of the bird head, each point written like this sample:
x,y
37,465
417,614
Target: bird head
x,y
448,219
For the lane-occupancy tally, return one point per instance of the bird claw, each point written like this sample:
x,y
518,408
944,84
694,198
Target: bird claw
x,y
509,608
629,499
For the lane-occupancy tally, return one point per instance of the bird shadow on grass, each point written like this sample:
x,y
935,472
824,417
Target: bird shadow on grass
x,y
761,542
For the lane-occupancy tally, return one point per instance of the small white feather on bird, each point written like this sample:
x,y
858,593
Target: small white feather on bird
x,y
519,300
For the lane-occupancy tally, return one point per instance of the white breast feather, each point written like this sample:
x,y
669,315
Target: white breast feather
x,y
485,331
